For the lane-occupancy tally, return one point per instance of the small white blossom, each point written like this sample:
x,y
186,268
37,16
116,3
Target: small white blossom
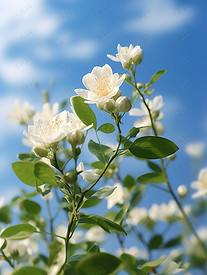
x,y
48,111
195,149
163,212
127,55
116,197
201,184
136,215
154,105
101,85
95,234
89,175
21,113
45,132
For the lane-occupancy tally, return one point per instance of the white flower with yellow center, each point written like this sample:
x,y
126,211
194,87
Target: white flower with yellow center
x,y
21,113
101,85
201,184
45,132
127,55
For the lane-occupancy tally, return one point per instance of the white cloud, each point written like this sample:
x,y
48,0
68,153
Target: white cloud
x,y
159,16
84,49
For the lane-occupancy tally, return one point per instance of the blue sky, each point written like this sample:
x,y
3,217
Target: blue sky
x,y
63,40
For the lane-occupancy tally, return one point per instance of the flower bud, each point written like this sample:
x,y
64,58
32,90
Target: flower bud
x,y
171,157
117,95
182,191
76,137
14,254
100,105
109,105
128,78
40,151
70,177
137,59
123,104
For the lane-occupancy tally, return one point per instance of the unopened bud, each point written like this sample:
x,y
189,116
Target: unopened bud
x,y
40,151
117,95
15,254
100,105
137,59
128,78
70,177
171,157
126,65
76,137
109,105
182,191
123,104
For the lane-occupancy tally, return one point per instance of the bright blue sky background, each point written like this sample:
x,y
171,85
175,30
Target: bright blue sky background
x,y
63,40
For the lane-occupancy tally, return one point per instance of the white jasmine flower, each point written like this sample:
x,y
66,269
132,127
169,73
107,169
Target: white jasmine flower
x,y
127,55
101,85
163,212
136,215
95,234
201,184
45,132
116,197
171,267
21,113
154,105
48,111
89,175
195,149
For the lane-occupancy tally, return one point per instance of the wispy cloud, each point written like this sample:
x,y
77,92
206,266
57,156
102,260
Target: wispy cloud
x,y
158,16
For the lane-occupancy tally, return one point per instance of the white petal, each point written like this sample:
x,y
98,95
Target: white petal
x,y
89,81
113,57
136,112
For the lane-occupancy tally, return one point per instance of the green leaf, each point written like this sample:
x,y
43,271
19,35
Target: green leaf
x,y
154,166
30,156
31,207
98,165
102,152
134,97
31,270
149,91
107,128
146,267
151,178
133,132
44,173
155,242
173,242
18,232
152,147
98,264
94,248
25,172
137,195
83,111
103,222
122,213
103,192
5,214
156,76
130,265
129,182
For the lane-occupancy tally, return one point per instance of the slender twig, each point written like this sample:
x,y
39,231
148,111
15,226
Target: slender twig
x,y
164,171
7,259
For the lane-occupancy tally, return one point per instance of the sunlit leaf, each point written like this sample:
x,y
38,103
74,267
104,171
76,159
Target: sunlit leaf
x,y
18,232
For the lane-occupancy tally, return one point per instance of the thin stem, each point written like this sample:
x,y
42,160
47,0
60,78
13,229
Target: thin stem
x,y
104,170
50,219
7,259
165,174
